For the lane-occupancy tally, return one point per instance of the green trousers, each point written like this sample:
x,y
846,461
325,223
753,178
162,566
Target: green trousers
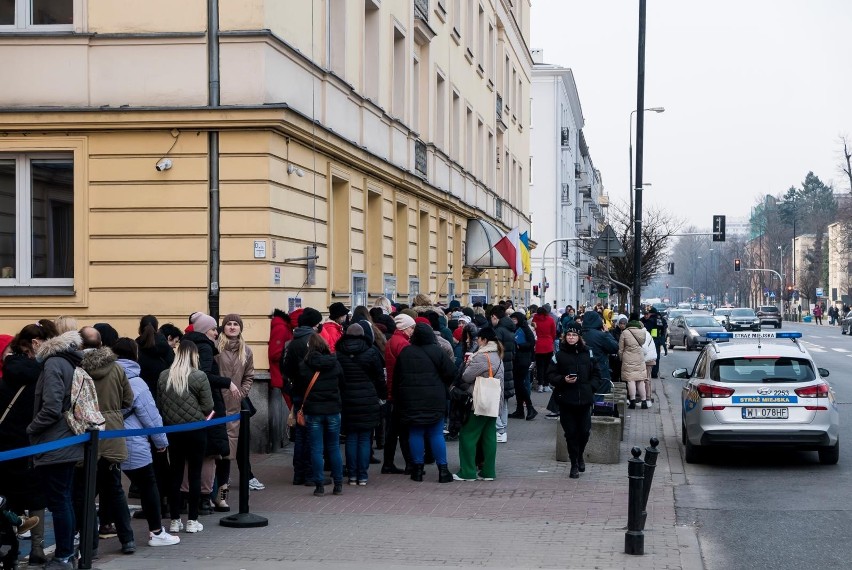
x,y
478,430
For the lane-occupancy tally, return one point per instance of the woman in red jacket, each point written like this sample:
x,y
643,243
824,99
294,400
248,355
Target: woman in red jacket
x,y
545,331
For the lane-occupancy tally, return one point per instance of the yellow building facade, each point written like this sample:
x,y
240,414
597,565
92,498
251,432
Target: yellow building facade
x,y
298,152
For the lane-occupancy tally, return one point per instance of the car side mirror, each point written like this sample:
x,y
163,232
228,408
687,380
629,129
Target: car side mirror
x,y
823,372
682,373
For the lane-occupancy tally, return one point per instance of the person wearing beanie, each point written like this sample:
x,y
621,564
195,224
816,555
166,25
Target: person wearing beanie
x,y
505,329
601,343
108,334
236,362
632,356
395,430
525,343
619,323
362,388
294,376
332,330
575,379
545,340
201,323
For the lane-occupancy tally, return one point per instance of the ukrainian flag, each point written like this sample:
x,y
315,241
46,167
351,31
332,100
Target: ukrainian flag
x,y
525,252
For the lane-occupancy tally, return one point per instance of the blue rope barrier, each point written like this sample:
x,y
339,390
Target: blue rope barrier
x,y
110,434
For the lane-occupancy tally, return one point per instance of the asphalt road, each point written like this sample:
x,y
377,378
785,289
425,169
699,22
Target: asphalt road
x,y
773,508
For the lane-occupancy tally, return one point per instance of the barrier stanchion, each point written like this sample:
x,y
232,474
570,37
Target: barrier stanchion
x,y
651,454
634,538
87,525
244,519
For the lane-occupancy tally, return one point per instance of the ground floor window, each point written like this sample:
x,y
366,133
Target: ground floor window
x,y
36,219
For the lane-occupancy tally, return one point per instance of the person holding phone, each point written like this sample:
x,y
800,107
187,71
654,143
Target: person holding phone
x,y
575,379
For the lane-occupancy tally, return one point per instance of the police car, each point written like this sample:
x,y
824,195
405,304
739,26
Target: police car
x,y
758,393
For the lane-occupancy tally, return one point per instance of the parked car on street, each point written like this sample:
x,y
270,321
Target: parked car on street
x,y
846,323
689,331
758,393
769,315
742,319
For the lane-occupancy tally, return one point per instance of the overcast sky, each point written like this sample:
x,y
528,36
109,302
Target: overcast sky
x,y
756,94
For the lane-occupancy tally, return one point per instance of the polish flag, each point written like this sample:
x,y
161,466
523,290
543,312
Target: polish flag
x,y
509,247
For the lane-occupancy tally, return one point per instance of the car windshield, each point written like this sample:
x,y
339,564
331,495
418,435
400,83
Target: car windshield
x,y
702,322
742,313
722,312
769,309
762,369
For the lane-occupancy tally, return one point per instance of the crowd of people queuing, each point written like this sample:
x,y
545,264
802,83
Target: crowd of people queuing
x,y
372,379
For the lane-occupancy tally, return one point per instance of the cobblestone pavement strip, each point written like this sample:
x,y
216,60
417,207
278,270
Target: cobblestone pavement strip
x,y
532,516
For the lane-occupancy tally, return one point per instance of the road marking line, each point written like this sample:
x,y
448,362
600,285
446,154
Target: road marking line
x,y
840,349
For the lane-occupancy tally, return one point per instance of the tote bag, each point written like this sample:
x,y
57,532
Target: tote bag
x,y
486,394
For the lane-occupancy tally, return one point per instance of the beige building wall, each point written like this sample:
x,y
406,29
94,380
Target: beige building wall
x,y
295,89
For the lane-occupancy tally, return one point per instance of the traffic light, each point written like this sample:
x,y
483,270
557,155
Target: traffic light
x,y
535,290
737,265
671,267
718,228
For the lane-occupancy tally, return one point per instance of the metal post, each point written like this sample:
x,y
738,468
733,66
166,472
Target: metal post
x,y
651,454
640,149
634,538
90,474
244,519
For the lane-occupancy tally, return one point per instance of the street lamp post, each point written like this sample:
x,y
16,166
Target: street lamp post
x,y
633,112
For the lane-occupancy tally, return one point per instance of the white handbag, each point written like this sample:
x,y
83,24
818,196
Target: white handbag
x,y
487,391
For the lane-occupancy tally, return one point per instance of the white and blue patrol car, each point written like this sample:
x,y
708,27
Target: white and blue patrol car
x,y
764,391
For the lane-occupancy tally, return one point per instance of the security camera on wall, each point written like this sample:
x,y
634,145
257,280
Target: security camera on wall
x,y
164,164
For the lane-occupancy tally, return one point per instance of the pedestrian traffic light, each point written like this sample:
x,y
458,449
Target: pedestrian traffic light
x,y
535,290
718,228
737,265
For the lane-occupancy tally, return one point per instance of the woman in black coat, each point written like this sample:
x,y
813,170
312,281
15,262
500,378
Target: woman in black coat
x,y
575,379
422,374
363,386
524,347
155,354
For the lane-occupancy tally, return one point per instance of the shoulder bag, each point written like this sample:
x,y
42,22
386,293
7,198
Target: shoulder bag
x,y
12,403
487,391
300,416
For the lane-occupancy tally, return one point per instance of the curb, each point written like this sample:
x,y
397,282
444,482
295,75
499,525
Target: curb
x,y
687,536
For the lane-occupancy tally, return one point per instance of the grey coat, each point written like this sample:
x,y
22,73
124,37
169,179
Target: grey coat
x,y
477,365
60,356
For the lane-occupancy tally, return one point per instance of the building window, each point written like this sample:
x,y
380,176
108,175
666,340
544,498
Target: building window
x,y
469,134
36,220
399,61
389,287
336,37
40,15
440,111
371,51
413,290
359,290
456,127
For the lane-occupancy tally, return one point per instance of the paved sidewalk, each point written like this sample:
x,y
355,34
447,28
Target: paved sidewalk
x,y
532,516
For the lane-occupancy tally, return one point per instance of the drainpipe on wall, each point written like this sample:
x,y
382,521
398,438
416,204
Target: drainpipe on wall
x,y
213,155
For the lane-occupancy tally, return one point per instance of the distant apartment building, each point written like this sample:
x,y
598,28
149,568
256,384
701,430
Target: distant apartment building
x,y
566,191
162,157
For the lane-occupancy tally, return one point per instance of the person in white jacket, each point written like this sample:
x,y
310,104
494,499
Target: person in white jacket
x,y
139,466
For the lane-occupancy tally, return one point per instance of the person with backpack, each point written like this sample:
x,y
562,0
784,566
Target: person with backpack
x,y
525,343
60,355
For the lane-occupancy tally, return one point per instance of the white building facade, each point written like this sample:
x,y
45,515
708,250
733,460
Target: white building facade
x,y
566,199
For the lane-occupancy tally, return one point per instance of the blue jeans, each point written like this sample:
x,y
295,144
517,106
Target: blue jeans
x,y
58,479
416,441
358,444
324,435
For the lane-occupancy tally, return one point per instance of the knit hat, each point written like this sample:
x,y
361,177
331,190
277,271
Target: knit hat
x,y
202,323
454,304
423,320
403,321
310,317
621,319
573,327
337,310
355,330
233,317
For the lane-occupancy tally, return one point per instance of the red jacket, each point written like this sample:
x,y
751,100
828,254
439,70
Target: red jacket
x,y
397,342
545,331
331,332
280,333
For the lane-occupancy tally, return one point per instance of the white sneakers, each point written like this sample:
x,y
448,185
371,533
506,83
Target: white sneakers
x,y
162,539
457,478
191,526
256,485
502,437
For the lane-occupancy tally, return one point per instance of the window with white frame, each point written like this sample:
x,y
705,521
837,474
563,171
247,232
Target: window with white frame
x,y
41,15
359,290
36,219
413,289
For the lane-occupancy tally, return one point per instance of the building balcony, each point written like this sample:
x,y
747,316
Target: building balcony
x,y
421,9
566,193
578,173
566,137
585,190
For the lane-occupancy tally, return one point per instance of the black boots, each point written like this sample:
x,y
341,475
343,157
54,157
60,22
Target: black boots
x,y
581,465
575,471
632,404
444,475
531,413
517,414
417,472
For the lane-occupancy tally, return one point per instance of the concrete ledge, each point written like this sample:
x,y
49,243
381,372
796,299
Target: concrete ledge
x,y
605,441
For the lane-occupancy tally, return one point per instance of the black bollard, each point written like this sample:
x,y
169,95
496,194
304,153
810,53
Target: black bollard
x,y
651,454
87,525
634,538
244,519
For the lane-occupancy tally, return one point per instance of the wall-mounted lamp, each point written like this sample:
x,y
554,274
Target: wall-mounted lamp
x,y
293,169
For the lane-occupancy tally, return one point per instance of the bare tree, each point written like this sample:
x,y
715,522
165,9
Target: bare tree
x,y
846,164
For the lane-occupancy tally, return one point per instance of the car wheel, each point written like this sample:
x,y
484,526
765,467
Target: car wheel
x,y
691,453
778,326
829,455
682,430
686,346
